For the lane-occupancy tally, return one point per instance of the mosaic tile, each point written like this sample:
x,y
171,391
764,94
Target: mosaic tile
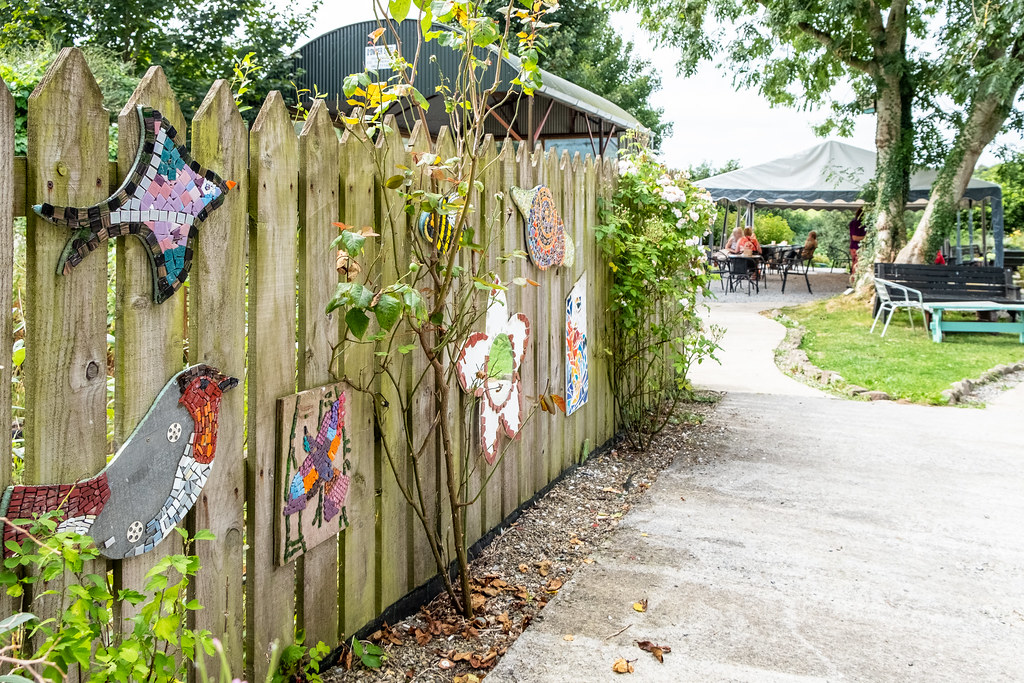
x,y
577,368
547,240
164,171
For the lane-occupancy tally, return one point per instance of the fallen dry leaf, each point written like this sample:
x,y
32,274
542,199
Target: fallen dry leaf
x,y
657,650
544,567
622,666
445,664
609,489
422,637
568,636
524,569
553,585
575,541
640,606
478,601
466,678
461,656
588,560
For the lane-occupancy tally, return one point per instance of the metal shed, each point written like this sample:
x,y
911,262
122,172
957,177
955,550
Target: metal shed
x,y
560,110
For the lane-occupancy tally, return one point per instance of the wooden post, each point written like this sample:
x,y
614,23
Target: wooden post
x,y
8,604
66,316
532,174
217,336
273,208
552,333
318,334
359,541
150,336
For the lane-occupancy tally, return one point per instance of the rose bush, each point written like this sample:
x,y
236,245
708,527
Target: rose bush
x,y
652,233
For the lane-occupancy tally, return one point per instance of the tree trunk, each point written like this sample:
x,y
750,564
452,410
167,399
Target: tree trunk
x,y
985,120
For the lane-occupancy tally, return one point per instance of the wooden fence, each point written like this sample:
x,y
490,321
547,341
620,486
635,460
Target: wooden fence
x,y
261,277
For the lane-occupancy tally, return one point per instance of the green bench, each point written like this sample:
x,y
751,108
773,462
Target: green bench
x,y
940,325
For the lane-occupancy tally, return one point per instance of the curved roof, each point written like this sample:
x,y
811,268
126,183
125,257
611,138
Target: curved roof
x,y
830,175
565,109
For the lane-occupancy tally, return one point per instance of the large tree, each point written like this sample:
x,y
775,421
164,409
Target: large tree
x,y
584,48
196,41
971,97
798,53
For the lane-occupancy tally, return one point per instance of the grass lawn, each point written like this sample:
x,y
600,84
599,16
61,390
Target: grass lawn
x,y
906,363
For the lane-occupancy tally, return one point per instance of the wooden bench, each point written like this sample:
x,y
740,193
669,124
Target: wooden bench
x,y
1013,258
953,283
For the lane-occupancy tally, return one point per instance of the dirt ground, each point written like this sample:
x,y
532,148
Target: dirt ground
x,y
529,562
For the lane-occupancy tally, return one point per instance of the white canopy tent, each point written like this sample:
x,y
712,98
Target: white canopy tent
x,y
832,176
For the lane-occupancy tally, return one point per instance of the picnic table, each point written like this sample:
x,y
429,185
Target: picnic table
x,y
939,325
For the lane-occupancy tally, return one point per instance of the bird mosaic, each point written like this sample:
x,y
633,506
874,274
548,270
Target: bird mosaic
x,y
439,228
162,201
547,240
152,481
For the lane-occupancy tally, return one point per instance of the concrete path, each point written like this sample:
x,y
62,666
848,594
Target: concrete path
x,y
819,540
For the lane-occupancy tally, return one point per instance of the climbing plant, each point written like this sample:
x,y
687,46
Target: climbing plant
x,y
652,234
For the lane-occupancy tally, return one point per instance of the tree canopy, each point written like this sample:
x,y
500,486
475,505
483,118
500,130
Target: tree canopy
x,y
195,41
585,49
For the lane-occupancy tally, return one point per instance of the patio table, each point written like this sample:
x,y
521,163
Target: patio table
x,y
940,326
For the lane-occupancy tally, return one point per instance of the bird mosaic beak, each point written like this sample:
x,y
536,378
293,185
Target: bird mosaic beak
x,y
227,383
231,184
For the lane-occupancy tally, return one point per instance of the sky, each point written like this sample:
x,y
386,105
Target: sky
x,y
712,121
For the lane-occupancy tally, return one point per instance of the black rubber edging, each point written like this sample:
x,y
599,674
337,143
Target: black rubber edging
x,y
412,601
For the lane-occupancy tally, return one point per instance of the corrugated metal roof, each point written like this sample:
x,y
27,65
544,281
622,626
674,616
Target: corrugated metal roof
x,y
329,58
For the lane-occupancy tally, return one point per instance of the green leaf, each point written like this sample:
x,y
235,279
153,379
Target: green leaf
x,y
388,310
499,360
14,621
399,9
357,322
350,84
166,628
420,100
394,182
205,535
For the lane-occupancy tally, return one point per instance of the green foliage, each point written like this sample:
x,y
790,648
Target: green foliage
x,y
196,41
652,235
905,363
298,662
770,228
1010,175
706,169
65,570
372,656
23,67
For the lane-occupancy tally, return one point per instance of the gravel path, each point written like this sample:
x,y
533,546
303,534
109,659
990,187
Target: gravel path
x,y
823,284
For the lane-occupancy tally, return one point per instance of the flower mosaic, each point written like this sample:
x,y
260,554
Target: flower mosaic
x,y
577,374
547,241
488,367
162,201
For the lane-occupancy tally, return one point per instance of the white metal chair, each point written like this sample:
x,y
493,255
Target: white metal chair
x,y
891,296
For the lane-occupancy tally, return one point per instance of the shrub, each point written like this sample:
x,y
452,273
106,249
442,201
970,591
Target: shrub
x,y
769,228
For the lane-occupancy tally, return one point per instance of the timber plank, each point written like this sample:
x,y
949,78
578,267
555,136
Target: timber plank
x,y
318,335
8,192
554,326
216,330
358,541
150,336
273,208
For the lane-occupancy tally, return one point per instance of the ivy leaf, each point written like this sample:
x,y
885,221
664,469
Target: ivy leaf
x,y
388,309
399,9
357,322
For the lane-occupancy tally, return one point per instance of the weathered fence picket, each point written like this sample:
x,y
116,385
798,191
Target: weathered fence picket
x,y
261,276
216,330
273,206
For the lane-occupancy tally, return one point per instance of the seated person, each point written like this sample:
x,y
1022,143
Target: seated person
x,y
749,241
809,246
733,245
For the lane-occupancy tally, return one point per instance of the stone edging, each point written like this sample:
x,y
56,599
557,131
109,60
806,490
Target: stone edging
x,y
792,360
958,391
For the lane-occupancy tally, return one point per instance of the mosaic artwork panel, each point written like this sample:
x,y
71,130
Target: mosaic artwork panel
x,y
547,241
577,371
439,229
162,201
152,482
488,367
313,468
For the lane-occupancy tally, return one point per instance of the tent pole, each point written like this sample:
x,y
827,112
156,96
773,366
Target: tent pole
x,y
959,241
984,236
970,230
725,223
997,227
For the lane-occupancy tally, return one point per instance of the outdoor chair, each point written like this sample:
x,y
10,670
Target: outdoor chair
x,y
743,271
718,266
891,296
794,262
838,258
